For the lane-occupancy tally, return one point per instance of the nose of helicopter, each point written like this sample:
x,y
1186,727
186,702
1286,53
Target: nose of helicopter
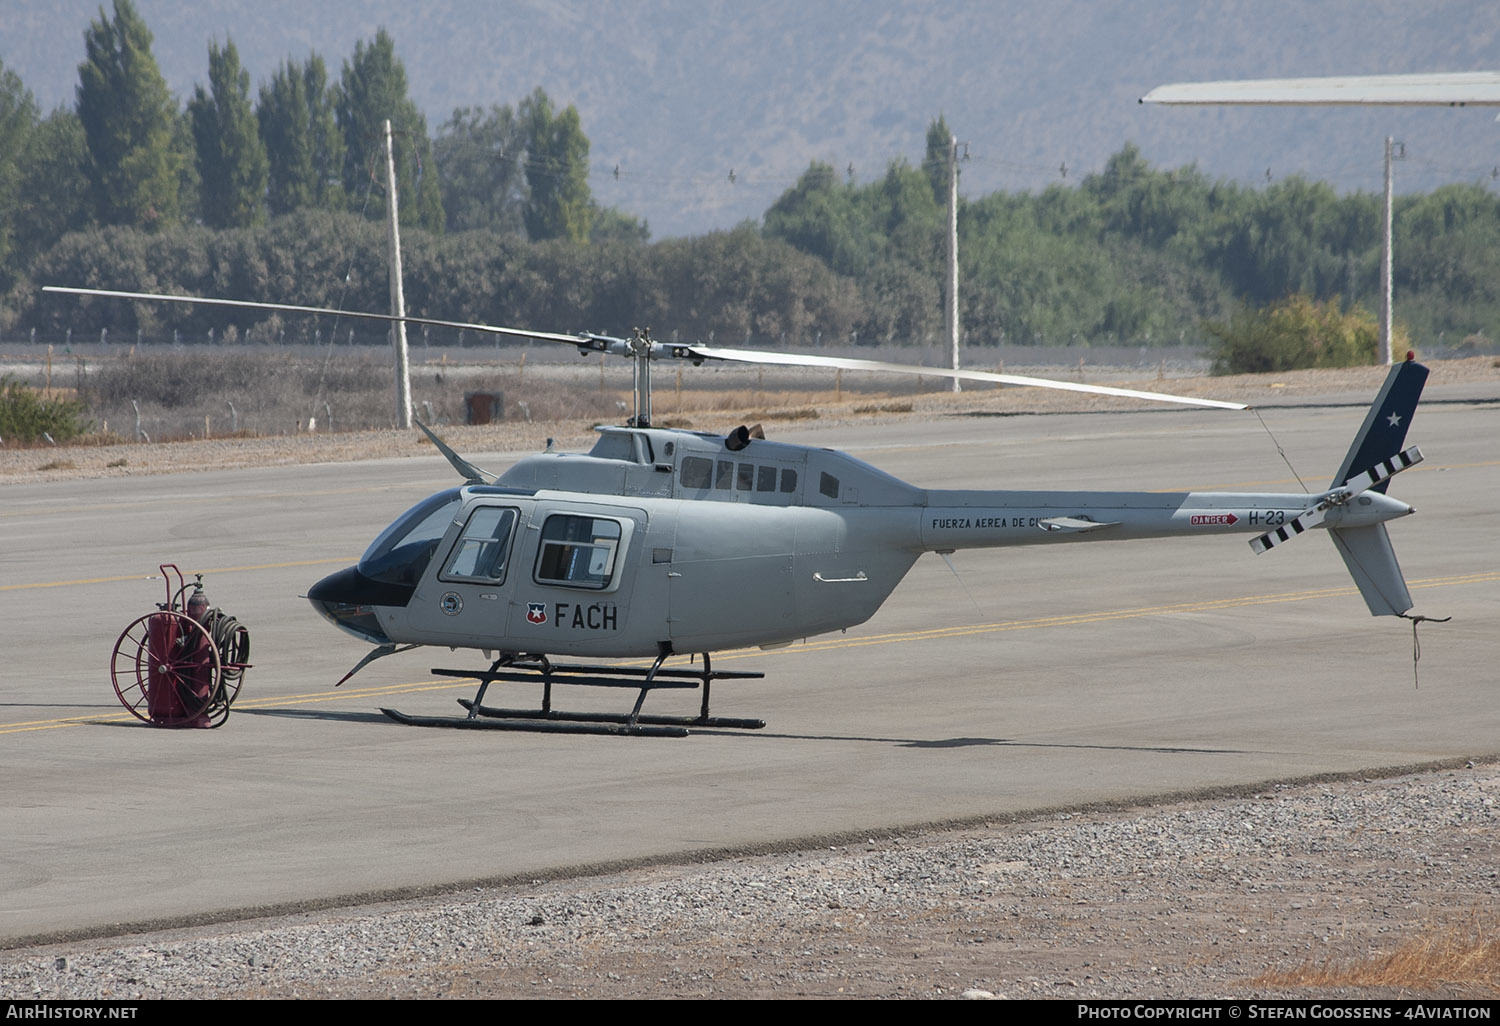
x,y
347,600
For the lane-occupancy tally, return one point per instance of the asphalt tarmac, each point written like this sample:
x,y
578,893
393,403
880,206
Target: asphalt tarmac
x,y
1035,678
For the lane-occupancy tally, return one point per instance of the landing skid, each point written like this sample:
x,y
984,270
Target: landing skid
x,y
534,722
553,721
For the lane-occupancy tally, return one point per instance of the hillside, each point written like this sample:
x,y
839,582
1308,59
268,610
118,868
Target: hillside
x,y
678,94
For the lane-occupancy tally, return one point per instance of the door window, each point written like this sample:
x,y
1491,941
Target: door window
x,y
578,551
484,547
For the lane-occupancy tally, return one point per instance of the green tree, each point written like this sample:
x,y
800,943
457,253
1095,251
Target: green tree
x,y
935,163
18,124
900,209
232,163
1288,238
57,195
887,235
1447,262
1160,209
187,167
128,120
611,224
479,160
304,149
557,172
26,416
819,216
373,89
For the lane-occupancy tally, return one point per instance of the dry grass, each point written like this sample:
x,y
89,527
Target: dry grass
x,y
58,465
179,395
791,413
1462,960
717,399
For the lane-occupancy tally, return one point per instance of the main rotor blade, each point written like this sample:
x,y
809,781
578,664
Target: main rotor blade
x,y
545,336
849,363
623,347
1429,89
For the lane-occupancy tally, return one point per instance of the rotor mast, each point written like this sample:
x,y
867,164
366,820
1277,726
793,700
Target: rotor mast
x,y
640,351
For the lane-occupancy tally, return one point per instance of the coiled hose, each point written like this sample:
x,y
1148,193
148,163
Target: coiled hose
x,y
232,640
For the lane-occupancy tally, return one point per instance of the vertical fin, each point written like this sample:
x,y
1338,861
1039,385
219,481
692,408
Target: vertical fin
x,y
1367,550
1384,430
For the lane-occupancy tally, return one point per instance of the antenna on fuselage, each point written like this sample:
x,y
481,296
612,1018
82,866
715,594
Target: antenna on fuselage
x,y
466,470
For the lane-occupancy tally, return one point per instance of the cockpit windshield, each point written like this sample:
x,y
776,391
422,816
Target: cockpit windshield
x,y
401,554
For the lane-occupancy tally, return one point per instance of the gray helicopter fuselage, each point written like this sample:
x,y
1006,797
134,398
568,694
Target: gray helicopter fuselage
x,y
672,540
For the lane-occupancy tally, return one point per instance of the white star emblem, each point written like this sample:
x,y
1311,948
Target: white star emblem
x,y
1394,420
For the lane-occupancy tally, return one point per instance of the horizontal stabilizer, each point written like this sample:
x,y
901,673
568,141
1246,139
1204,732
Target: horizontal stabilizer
x,y
1372,563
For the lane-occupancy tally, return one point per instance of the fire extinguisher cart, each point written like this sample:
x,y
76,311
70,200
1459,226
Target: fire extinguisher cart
x,y
181,666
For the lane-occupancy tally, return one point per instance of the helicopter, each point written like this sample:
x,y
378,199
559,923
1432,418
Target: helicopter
x,y
663,542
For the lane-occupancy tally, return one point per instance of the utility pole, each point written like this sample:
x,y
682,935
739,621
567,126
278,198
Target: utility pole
x,y
398,300
950,312
1387,336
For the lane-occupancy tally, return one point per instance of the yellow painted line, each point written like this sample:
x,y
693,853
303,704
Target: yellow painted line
x,y
380,691
156,577
270,702
71,721
933,634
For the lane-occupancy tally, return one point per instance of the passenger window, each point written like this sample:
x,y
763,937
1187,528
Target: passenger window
x,y
829,486
697,472
484,546
724,478
745,480
577,551
765,480
788,480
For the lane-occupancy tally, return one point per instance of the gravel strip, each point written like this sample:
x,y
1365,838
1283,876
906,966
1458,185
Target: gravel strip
x,y
1191,900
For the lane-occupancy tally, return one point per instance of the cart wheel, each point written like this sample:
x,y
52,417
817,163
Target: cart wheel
x,y
166,670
